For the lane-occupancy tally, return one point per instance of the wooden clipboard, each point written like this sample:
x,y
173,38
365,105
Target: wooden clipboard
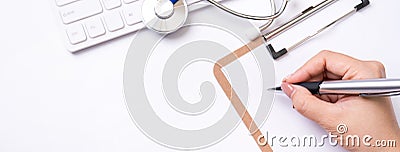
x,y
231,94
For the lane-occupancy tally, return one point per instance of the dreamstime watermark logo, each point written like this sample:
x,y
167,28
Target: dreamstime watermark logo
x,y
342,139
190,51
341,128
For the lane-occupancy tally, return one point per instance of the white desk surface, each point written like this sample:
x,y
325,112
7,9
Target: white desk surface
x,y
52,100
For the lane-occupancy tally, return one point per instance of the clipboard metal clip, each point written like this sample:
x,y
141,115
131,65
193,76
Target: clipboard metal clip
x,y
301,17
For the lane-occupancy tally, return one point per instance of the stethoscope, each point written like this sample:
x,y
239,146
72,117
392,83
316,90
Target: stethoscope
x,y
167,16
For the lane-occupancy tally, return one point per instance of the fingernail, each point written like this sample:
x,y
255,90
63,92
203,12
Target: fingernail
x,y
287,88
287,77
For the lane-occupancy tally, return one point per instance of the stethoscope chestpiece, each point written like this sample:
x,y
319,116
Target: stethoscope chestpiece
x,y
164,16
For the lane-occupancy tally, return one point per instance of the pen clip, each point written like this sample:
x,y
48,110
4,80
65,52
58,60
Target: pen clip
x,y
381,94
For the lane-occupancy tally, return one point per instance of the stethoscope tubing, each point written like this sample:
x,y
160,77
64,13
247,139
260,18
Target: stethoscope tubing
x,y
270,18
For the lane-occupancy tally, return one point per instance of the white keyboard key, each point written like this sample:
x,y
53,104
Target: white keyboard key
x,y
110,4
113,21
80,10
76,34
132,13
129,1
63,2
95,28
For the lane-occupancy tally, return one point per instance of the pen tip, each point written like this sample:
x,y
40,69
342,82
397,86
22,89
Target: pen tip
x,y
275,88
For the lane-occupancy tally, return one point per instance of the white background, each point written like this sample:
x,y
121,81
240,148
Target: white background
x,y
52,100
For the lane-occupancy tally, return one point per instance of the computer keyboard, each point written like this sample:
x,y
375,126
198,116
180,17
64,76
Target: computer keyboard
x,y
85,23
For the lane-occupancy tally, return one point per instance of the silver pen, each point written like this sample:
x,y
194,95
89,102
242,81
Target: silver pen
x,y
366,87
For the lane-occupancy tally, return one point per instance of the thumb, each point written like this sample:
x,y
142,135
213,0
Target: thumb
x,y
307,104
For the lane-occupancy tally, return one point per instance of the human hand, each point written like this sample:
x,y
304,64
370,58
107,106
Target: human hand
x,y
362,116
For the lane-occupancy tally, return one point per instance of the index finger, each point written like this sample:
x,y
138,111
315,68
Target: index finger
x,y
324,63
